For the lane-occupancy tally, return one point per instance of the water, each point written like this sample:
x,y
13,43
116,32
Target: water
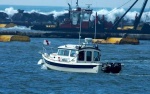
x,y
20,74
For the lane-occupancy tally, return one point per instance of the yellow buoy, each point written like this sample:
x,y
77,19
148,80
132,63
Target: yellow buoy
x,y
128,40
2,25
114,40
7,25
10,25
8,38
103,41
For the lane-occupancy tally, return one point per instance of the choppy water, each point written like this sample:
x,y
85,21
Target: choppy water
x,y
20,74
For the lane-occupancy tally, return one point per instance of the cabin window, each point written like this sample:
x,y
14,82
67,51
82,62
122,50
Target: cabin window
x,y
60,52
81,56
66,52
63,52
88,56
73,53
96,56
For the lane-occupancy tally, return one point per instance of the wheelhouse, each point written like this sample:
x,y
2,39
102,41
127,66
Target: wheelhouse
x,y
89,55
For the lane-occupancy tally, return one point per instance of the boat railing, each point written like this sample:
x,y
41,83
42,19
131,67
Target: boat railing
x,y
44,50
47,51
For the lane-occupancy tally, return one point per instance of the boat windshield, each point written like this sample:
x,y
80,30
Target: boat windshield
x,y
73,53
63,52
67,52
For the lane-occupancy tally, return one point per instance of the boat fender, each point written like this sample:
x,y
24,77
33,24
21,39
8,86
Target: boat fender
x,y
116,67
45,54
40,62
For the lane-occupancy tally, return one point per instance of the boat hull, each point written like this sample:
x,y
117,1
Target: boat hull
x,y
70,67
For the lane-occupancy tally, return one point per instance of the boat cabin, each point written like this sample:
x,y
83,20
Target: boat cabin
x,y
89,54
76,53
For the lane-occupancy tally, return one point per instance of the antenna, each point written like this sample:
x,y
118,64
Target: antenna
x,y
80,27
77,3
95,25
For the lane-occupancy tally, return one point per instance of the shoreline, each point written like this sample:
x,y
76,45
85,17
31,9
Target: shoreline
x,y
62,34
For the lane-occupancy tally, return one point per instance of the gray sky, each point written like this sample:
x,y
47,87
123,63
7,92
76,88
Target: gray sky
x,y
95,3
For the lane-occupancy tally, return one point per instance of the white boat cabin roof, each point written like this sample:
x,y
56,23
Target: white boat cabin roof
x,y
68,46
76,47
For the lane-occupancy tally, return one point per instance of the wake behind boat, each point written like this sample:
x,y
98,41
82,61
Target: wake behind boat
x,y
84,58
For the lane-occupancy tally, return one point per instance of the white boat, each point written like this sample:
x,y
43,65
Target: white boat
x,y
74,58
84,58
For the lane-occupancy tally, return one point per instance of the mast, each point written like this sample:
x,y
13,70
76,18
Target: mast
x,y
77,3
69,10
139,17
116,24
96,18
80,27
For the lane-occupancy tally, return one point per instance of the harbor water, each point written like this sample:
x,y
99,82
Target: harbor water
x,y
20,73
